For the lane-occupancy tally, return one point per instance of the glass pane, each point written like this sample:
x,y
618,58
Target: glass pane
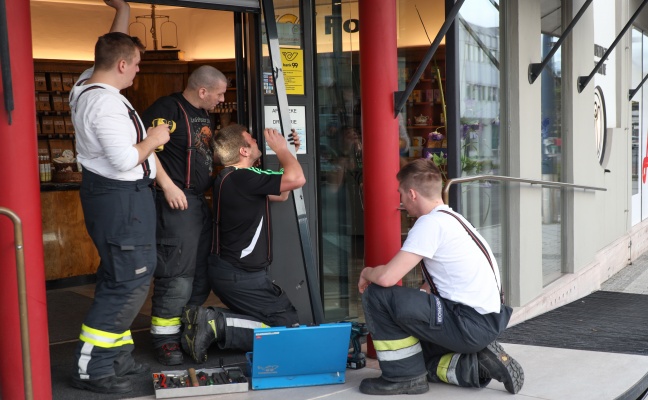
x,y
422,120
479,117
340,157
637,75
551,141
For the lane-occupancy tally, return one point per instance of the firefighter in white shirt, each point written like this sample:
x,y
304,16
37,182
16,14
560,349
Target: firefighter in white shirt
x,y
116,153
446,330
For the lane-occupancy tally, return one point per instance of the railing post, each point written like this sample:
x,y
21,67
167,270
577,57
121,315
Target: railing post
x,y
22,300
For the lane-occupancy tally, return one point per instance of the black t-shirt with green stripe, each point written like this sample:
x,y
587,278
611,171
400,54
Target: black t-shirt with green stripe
x,y
242,213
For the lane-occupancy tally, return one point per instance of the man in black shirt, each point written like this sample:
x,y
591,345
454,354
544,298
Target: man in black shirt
x,y
242,247
183,216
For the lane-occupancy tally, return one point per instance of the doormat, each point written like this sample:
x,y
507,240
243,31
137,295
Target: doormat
x,y
66,311
611,322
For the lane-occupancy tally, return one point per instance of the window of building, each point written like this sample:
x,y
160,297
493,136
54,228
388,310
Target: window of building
x,y
638,115
551,140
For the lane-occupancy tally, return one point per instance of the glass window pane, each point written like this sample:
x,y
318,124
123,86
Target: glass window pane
x,y
551,144
340,157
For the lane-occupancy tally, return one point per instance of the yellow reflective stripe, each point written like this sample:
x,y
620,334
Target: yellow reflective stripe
x,y
447,368
391,345
399,349
158,321
104,339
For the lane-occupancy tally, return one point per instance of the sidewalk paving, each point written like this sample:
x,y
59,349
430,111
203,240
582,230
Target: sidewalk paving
x,y
550,373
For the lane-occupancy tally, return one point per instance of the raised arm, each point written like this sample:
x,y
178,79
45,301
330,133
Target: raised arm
x,y
285,193
293,174
122,15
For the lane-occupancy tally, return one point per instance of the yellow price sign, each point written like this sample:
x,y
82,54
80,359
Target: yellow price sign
x,y
292,61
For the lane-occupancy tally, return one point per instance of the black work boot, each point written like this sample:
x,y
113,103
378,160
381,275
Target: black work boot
x,y
109,384
169,354
381,386
199,331
495,363
135,369
125,365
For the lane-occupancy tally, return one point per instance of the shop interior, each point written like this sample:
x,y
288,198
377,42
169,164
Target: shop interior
x,y
64,32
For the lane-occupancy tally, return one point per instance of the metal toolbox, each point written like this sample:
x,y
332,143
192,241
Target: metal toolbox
x,y
178,383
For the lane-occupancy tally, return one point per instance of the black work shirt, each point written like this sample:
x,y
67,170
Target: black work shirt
x,y
174,157
242,216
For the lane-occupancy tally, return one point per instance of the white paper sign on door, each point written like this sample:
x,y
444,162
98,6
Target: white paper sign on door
x,y
297,122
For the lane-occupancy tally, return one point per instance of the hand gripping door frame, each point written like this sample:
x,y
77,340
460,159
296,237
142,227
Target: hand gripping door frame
x,y
308,254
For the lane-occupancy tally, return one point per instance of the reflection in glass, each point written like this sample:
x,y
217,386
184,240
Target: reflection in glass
x,y
479,117
340,158
637,75
551,156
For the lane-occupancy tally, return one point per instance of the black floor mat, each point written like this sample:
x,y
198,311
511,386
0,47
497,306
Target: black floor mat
x,y
62,364
603,321
66,311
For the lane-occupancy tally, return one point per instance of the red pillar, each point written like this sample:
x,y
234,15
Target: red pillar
x,y
378,75
20,193
378,79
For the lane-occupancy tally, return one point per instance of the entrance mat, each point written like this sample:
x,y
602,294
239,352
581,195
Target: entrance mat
x,y
611,322
66,311
62,365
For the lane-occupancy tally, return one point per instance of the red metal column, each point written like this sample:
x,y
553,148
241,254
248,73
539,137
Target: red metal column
x,y
378,76
20,192
378,79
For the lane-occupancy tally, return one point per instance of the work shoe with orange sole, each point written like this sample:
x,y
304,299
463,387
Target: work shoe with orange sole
x,y
495,363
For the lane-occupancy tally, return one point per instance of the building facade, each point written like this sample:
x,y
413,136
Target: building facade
x,y
474,108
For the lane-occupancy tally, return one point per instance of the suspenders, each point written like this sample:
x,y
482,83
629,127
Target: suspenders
x,y
216,225
138,127
216,242
479,244
191,150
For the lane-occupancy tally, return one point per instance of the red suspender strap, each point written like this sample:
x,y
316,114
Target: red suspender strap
x,y
190,148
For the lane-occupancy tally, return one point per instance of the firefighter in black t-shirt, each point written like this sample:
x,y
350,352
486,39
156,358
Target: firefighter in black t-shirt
x,y
183,216
242,245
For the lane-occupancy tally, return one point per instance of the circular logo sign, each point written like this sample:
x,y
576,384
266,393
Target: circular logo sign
x,y
600,123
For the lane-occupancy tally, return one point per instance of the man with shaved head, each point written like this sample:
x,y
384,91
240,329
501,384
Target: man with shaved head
x,y
183,216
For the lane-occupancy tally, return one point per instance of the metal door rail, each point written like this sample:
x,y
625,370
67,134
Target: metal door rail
x,y
559,185
22,300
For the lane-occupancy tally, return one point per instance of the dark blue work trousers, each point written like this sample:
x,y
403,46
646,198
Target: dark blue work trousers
x,y
249,296
120,219
448,333
183,243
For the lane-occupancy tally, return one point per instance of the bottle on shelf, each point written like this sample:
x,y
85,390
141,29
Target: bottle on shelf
x,y
48,169
41,167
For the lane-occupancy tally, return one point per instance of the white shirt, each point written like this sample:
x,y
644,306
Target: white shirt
x,y
105,133
458,267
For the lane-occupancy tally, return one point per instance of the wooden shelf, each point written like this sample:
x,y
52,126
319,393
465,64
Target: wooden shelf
x,y
424,103
53,112
424,126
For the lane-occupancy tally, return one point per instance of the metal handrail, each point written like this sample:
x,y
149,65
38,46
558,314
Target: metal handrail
x,y
22,300
473,178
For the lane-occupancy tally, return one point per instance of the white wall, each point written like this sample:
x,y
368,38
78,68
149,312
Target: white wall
x,y
522,124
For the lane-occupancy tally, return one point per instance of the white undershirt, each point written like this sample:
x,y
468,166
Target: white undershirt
x,y
105,133
458,267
